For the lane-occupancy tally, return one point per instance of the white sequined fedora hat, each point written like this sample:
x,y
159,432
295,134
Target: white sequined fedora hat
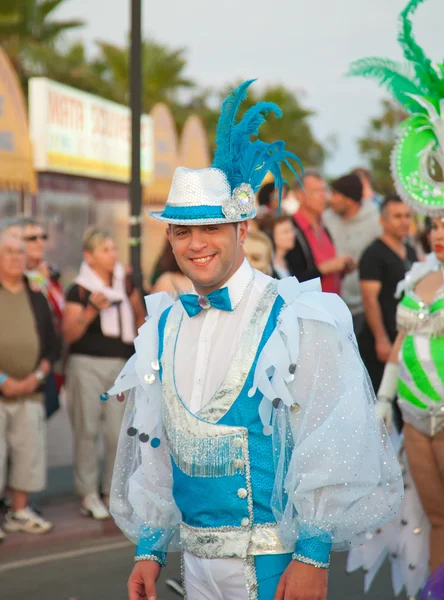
x,y
199,197
225,192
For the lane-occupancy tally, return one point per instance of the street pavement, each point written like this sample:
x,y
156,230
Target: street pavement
x,y
83,559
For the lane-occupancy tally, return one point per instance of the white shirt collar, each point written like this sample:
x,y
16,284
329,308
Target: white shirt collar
x,y
239,282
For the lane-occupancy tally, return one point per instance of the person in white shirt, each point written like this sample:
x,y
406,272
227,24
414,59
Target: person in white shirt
x,y
249,440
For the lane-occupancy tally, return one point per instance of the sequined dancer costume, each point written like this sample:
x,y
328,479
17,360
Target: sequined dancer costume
x,y
421,397
417,165
285,461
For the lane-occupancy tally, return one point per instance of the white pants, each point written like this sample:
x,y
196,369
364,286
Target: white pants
x,y
215,578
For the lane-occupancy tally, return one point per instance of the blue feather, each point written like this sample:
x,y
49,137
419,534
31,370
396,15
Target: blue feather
x,y
243,160
225,125
249,126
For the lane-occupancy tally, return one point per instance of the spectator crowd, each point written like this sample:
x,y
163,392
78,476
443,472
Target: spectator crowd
x,y
359,244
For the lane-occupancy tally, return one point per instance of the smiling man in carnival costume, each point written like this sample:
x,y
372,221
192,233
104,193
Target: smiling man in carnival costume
x,y
415,371
249,441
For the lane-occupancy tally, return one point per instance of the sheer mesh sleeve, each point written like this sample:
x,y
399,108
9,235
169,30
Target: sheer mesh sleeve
x,y
141,496
337,476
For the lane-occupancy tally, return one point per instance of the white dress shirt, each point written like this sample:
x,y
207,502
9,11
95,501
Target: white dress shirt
x,y
200,367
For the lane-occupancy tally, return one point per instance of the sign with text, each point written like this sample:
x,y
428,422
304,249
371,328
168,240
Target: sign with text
x,y
81,134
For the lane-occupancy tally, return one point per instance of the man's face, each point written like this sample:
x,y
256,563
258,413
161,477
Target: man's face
x,y
208,254
35,239
396,220
12,258
314,195
338,203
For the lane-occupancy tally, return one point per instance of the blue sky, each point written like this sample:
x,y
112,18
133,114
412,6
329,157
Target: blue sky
x,y
305,45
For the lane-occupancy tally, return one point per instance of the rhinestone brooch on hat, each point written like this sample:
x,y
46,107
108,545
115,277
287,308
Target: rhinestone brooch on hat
x,y
240,204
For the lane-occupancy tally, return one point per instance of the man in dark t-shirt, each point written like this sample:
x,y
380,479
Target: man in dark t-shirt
x,y
382,266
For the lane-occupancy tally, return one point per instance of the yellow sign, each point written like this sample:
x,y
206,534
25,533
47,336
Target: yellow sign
x,y
16,163
81,134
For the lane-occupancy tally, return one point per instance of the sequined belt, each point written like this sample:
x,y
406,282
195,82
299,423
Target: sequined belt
x,y
239,542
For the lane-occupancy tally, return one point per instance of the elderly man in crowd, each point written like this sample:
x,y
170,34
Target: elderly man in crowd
x,y
28,347
314,254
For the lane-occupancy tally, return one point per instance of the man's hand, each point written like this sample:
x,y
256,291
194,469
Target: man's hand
x,y
302,582
12,388
383,349
30,384
142,581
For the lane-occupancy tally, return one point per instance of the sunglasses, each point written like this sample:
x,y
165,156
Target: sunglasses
x,y
34,238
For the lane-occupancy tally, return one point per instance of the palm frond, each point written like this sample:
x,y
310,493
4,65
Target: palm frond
x,y
393,76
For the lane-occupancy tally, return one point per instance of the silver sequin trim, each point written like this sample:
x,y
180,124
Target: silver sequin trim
x,y
410,320
182,575
152,557
251,578
205,449
310,561
242,361
238,542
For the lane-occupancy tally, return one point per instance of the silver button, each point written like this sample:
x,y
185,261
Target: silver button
x,y
242,493
155,365
295,408
238,442
238,464
149,378
245,522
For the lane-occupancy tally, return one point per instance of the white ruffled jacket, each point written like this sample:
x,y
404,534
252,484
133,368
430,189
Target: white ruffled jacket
x,y
340,474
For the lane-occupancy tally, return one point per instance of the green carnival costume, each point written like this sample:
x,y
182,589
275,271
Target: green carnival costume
x,y
421,360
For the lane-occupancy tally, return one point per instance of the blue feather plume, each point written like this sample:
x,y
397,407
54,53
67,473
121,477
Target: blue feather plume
x,y
225,125
243,160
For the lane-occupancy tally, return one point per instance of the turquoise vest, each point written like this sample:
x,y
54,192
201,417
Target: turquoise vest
x,y
223,469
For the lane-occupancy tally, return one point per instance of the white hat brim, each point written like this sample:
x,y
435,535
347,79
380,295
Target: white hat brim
x,y
157,215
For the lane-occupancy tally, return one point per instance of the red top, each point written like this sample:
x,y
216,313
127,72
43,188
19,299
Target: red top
x,y
322,249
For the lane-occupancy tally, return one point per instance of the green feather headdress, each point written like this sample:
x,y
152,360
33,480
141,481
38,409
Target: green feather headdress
x,y
418,85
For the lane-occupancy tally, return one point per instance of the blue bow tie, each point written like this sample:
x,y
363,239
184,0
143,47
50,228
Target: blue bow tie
x,y
219,299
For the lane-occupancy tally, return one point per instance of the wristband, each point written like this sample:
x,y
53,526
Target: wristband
x,y
3,378
311,561
151,557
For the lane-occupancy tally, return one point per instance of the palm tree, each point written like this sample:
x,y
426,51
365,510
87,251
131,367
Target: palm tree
x,y
162,73
27,30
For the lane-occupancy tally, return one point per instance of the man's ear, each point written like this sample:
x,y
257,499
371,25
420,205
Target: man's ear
x,y
243,230
168,233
